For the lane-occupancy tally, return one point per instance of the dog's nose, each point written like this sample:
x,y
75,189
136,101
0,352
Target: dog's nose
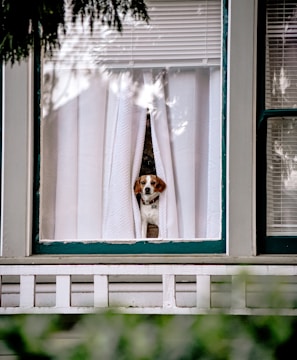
x,y
147,190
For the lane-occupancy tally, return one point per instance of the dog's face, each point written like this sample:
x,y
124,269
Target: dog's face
x,y
149,185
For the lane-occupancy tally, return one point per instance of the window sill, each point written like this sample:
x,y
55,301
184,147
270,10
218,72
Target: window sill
x,y
219,259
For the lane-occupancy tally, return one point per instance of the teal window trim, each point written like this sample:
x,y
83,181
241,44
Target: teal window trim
x,y
266,244
36,145
139,247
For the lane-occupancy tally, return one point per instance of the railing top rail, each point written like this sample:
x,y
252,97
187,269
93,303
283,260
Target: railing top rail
x,y
148,269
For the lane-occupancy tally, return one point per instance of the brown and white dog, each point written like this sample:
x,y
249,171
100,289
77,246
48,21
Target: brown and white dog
x,y
149,187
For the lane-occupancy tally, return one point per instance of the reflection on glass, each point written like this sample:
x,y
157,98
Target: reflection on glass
x,y
282,176
281,54
96,94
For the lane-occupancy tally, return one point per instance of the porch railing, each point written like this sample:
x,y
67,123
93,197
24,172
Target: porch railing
x,y
150,289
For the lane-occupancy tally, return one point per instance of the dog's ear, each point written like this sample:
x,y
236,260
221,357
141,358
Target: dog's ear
x,y
160,184
137,188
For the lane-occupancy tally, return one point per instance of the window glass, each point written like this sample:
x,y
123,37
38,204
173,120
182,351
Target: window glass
x,y
281,55
282,176
102,94
277,132
281,93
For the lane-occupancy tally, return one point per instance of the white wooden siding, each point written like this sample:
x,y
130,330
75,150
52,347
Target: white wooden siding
x,y
150,289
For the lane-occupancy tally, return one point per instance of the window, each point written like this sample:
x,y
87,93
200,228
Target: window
x,y
277,129
98,94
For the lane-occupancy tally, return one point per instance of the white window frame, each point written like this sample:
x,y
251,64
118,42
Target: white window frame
x,y
17,153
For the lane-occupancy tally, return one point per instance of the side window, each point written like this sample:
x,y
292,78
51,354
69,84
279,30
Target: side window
x,y
117,106
277,128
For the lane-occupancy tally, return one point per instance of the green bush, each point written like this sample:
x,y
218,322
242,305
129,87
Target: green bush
x,y
143,337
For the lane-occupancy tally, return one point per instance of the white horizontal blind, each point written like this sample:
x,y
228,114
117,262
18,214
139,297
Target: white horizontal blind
x,y
282,176
180,33
281,54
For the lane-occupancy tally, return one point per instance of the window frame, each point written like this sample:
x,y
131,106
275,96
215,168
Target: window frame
x,y
138,247
266,244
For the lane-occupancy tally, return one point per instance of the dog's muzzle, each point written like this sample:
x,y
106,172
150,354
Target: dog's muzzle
x,y
147,190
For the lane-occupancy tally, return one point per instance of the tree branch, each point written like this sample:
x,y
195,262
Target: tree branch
x,y
25,22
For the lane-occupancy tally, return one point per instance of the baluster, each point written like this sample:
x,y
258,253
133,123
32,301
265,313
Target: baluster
x,y
27,291
63,291
238,296
101,289
203,291
169,296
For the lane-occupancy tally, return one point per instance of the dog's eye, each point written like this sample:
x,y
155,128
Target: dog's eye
x,y
153,182
142,182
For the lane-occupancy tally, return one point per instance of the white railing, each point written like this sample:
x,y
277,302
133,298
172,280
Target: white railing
x,y
151,289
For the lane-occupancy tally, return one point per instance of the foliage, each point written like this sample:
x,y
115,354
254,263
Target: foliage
x,y
143,337
38,22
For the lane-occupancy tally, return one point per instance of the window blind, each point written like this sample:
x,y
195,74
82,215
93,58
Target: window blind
x,y
281,93
281,54
180,33
282,176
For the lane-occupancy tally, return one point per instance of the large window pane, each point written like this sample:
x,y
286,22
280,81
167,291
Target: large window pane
x,y
97,94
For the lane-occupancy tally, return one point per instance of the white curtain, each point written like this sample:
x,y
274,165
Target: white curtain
x,y
124,139
92,143
72,148
194,108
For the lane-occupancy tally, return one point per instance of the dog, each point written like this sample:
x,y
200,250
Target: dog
x,y
149,187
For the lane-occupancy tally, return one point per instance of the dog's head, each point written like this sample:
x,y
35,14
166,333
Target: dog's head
x,y
149,185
